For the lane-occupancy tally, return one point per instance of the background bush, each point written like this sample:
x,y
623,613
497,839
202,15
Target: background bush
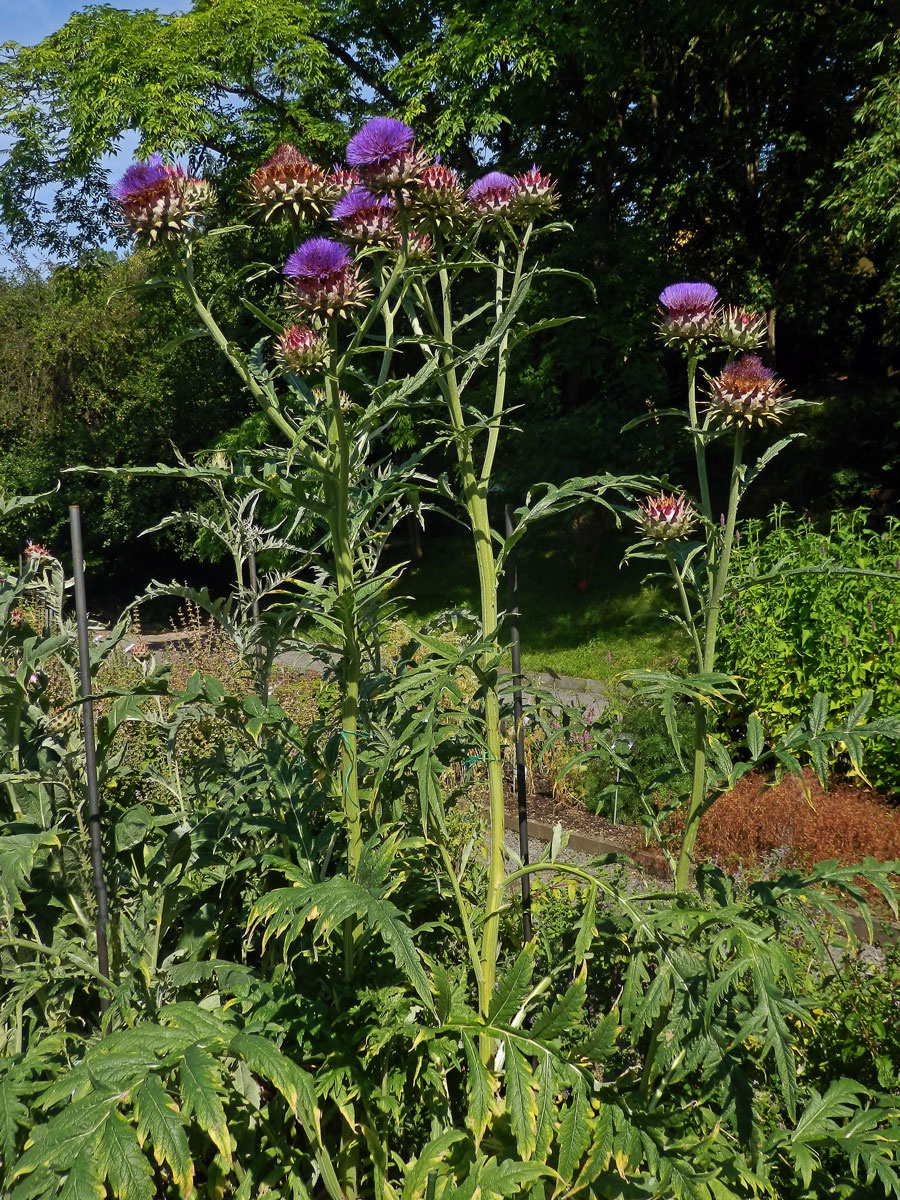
x,y
799,634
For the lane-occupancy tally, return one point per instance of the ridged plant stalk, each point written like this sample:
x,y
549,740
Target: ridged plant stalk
x,y
338,505
703,622
337,485
475,480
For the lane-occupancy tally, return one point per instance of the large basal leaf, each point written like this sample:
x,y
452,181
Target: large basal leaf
x,y
521,1103
200,1081
159,1117
129,1175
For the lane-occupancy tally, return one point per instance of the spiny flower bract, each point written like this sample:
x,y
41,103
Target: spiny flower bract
x,y
289,182
746,392
663,518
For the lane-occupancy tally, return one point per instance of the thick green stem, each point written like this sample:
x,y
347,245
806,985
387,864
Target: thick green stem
x,y
185,275
475,496
697,434
339,448
685,604
697,804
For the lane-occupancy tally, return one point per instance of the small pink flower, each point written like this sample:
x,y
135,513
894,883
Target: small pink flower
x,y
35,552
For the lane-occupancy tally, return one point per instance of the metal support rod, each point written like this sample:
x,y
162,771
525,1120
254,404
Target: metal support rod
x,y
521,791
90,749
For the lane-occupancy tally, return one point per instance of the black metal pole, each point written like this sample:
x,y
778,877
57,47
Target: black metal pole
x,y
90,749
521,793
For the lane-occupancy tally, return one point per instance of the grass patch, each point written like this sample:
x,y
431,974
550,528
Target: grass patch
x,y
592,627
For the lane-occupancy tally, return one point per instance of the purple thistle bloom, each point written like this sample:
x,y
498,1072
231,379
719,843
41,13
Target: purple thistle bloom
x,y
159,201
139,177
359,201
690,312
323,278
684,298
379,143
366,218
494,181
318,260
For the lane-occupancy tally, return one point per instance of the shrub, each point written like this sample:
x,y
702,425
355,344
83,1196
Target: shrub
x,y
817,631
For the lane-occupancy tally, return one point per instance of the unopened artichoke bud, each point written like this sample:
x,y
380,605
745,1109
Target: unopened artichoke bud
x,y
663,518
439,194
59,721
741,330
301,349
419,247
159,202
689,313
220,460
535,193
746,392
288,182
384,155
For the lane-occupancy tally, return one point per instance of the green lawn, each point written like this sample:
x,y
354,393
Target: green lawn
x,y
596,631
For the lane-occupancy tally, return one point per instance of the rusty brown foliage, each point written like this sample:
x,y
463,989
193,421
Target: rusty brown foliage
x,y
759,817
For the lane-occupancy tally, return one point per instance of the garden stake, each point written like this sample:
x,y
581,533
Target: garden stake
x,y
90,751
520,730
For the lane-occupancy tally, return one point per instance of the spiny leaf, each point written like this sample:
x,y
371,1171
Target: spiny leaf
x,y
520,1099
128,1173
574,1133
158,1115
12,1113
512,988
83,1181
199,1091
480,1088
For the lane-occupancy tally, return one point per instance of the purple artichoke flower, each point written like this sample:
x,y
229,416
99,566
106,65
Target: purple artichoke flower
x,y
159,201
746,391
380,141
323,278
366,218
690,312
289,182
492,195
385,155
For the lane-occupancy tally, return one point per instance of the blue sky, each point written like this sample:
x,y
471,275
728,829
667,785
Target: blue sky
x,y
30,21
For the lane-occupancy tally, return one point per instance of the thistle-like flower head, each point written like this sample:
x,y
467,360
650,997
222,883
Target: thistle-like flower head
x,y
366,218
664,517
323,279
301,349
289,182
689,312
36,553
385,155
746,392
492,195
438,196
535,193
342,181
739,329
159,201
